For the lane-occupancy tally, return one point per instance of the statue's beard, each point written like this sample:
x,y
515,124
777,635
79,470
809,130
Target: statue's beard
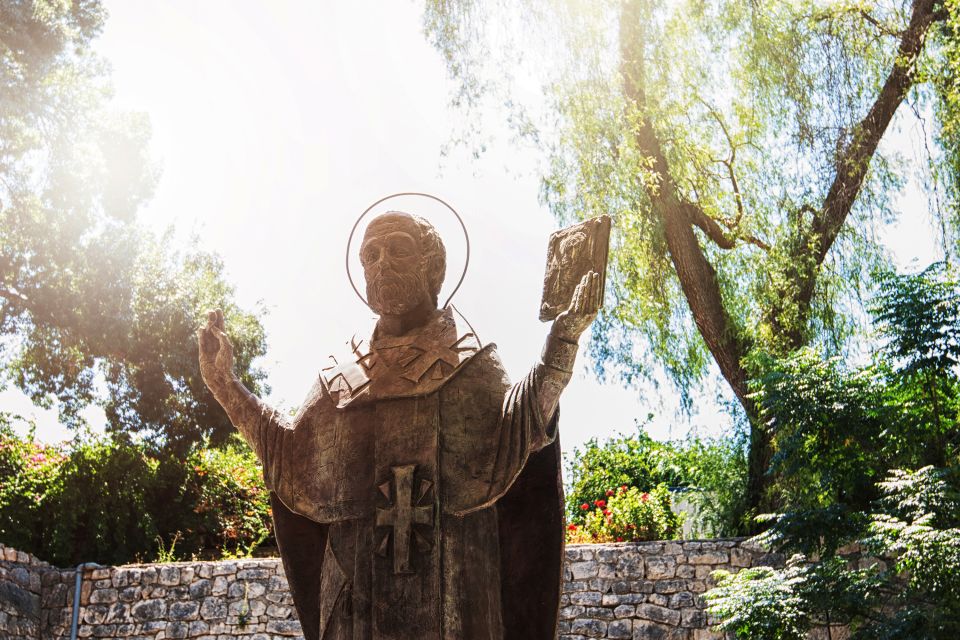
x,y
394,293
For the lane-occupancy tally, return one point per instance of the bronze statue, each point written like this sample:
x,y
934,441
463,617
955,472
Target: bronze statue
x,y
416,494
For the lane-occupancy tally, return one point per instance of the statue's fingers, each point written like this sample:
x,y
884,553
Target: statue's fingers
x,y
206,339
223,339
597,301
220,320
588,292
202,341
577,304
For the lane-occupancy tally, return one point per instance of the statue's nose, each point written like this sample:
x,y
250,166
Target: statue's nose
x,y
381,263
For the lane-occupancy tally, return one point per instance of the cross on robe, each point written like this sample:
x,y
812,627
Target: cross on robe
x,y
403,515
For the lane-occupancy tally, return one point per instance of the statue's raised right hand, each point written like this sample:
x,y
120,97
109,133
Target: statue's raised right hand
x,y
216,351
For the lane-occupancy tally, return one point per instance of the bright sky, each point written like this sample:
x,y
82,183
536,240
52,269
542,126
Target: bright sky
x,y
276,124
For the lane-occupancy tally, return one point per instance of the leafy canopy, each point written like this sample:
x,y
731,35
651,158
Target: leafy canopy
x,y
866,455
94,308
757,109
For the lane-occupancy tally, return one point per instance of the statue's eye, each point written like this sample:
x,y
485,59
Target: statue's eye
x,y
368,255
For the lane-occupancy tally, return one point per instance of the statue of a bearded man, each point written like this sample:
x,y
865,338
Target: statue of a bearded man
x,y
416,494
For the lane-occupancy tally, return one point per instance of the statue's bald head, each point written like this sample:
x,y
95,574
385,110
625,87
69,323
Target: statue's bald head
x,y
403,259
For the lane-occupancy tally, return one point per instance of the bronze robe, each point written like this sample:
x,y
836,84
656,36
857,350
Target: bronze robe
x,y
409,500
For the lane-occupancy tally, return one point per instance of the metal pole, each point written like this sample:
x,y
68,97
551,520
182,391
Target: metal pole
x,y
75,617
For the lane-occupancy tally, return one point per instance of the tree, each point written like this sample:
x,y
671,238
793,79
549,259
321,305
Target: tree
x,y
865,455
94,307
736,143
839,430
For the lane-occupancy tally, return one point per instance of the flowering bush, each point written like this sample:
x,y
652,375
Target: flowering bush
x,y
112,501
627,514
715,471
27,470
230,498
66,503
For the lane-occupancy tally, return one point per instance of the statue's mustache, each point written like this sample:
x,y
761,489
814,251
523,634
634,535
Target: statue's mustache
x,y
393,285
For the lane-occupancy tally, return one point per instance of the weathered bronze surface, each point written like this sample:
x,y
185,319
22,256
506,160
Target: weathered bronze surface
x,y
572,253
416,494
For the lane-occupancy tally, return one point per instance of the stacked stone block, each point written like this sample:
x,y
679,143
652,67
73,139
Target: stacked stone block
x,y
197,600
649,590
624,591
20,594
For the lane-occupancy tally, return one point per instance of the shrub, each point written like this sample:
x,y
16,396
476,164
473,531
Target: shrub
x,y
230,498
839,431
714,471
913,592
627,514
111,501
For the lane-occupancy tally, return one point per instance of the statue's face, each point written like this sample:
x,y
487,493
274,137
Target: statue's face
x,y
393,265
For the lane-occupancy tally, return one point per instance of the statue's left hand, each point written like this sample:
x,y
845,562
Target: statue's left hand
x,y
584,306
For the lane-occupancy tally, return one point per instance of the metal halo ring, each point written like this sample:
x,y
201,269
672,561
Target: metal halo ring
x,y
356,224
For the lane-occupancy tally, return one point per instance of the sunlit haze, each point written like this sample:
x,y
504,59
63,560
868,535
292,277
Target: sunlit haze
x,y
276,124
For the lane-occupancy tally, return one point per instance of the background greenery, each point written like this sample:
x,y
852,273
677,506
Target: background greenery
x,y
737,146
709,475
106,500
867,458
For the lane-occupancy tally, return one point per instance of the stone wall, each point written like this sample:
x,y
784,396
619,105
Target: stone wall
x,y
648,590
626,590
20,594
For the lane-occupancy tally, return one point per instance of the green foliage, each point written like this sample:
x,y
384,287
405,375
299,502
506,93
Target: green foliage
x,y
628,515
107,500
715,473
919,316
633,461
838,430
913,591
918,524
763,603
93,307
943,74
847,439
753,103
231,500
760,603
712,471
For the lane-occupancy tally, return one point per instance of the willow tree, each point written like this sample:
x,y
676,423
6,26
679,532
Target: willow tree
x,y
738,145
94,308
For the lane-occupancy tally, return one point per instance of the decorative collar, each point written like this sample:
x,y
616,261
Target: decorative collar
x,y
414,364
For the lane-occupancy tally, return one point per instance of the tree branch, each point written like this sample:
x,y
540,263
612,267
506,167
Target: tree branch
x,y
705,222
698,278
854,161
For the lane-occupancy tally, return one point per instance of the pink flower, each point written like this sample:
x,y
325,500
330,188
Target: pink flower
x,y
609,492
584,506
572,527
645,497
600,503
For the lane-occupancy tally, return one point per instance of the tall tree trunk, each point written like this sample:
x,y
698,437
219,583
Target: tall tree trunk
x,y
698,278
727,343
